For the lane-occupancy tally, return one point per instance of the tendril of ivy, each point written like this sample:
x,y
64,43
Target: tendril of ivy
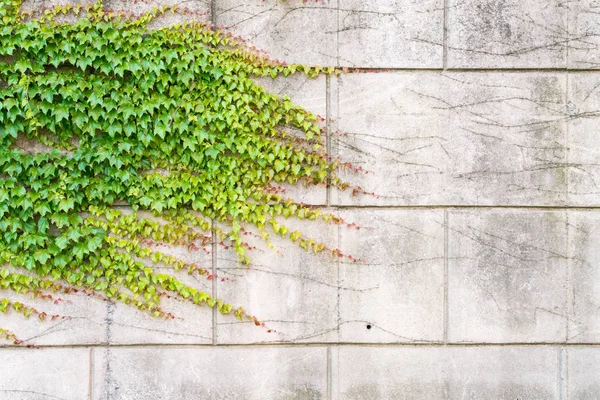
x,y
165,120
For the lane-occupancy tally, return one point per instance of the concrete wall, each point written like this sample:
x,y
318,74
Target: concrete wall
x,y
481,271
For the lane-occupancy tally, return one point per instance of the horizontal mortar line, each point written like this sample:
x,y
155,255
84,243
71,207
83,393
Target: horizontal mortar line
x,y
351,70
291,344
434,207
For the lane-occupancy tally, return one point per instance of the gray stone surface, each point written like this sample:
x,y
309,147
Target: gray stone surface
x,y
507,34
583,379
584,38
584,146
292,291
507,276
80,320
445,373
399,251
36,374
584,286
213,373
433,138
391,33
293,31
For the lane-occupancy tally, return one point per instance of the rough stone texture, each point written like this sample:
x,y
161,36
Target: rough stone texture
x,y
214,373
583,379
36,374
584,150
445,373
433,138
507,34
80,320
473,250
391,33
294,31
507,274
584,287
398,251
292,291
584,30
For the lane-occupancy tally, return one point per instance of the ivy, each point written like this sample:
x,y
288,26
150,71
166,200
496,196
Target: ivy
x,y
168,121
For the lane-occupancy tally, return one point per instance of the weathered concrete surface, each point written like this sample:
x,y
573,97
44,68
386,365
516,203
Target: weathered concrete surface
x,y
584,149
32,374
292,291
433,138
507,276
445,373
399,251
214,373
584,34
79,319
584,286
293,31
507,34
391,33
583,379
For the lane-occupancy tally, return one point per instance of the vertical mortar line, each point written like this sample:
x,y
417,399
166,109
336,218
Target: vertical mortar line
x,y
445,318
108,371
561,367
213,15
567,233
445,37
91,377
214,281
337,34
328,135
329,388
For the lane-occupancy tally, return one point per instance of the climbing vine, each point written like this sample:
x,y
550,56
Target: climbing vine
x,y
165,120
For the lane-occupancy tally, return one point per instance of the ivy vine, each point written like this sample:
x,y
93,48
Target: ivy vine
x,y
166,120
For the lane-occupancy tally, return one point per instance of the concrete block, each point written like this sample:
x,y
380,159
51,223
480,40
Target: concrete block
x,y
294,31
191,323
583,364
214,373
292,291
584,140
429,372
584,34
396,292
584,280
29,374
80,320
198,10
432,138
506,34
507,274
391,33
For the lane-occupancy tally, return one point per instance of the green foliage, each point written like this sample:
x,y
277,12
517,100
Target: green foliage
x,y
168,121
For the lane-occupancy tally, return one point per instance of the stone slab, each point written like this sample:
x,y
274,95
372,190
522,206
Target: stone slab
x,y
395,293
292,291
583,364
32,374
79,320
391,33
584,34
214,373
507,276
584,279
507,34
430,138
507,372
584,139
294,31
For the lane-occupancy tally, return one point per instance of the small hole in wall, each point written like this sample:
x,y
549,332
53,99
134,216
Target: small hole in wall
x,y
368,326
